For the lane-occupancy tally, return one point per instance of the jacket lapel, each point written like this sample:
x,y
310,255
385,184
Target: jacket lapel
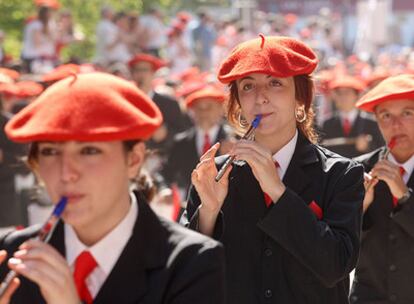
x,y
304,155
146,250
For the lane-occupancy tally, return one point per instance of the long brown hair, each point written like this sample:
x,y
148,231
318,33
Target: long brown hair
x,y
304,93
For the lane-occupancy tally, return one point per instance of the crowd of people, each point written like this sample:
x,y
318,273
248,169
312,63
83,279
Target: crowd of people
x,y
135,138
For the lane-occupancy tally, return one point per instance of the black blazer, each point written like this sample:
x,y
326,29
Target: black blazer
x,y
161,263
284,254
363,124
385,270
184,157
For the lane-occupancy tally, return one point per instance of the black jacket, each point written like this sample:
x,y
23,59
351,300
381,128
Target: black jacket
x,y
363,124
385,271
284,254
161,263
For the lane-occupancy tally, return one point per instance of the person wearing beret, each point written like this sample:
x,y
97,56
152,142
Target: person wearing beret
x,y
87,135
349,132
385,269
143,68
206,107
288,212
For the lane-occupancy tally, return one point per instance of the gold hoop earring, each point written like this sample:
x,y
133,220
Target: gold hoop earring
x,y
300,115
242,121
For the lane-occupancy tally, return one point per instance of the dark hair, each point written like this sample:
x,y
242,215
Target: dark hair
x,y
143,181
43,16
304,93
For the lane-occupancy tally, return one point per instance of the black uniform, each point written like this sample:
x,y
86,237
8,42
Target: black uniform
x,y
161,263
284,254
363,125
385,271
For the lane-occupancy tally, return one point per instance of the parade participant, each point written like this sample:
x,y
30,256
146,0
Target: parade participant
x,y
385,267
87,133
349,132
290,228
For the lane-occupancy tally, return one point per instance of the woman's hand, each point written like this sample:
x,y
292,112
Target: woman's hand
x,y
369,185
5,299
390,173
260,160
42,264
211,193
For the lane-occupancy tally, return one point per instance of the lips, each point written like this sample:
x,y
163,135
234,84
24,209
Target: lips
x,y
74,197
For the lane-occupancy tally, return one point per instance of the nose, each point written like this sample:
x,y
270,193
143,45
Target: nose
x,y
396,122
262,97
69,171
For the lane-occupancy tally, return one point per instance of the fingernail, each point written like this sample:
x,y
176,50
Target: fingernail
x,y
15,261
20,253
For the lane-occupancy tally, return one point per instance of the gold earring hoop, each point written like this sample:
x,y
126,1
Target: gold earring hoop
x,y
300,115
242,121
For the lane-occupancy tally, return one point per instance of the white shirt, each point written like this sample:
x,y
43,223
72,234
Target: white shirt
x,y
408,166
156,30
106,252
284,155
212,133
47,43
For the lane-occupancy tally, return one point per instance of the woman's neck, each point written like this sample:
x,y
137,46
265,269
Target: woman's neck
x,y
275,143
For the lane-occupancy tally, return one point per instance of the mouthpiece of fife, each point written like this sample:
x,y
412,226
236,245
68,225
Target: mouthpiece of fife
x,y
43,235
248,136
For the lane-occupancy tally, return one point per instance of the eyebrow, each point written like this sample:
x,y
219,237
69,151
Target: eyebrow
x,y
251,78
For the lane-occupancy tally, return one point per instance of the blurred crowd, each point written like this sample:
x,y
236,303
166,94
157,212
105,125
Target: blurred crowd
x,y
174,60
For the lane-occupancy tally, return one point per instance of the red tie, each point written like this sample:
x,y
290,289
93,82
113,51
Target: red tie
x,y
207,143
84,265
346,126
267,198
394,199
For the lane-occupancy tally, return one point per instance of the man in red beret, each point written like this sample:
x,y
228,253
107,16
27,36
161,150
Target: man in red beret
x,y
87,135
143,68
385,268
206,108
349,132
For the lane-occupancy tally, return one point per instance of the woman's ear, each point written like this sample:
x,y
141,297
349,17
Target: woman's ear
x,y
135,159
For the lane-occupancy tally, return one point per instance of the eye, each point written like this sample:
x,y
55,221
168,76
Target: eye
x,y
408,113
247,86
385,116
48,151
90,150
275,83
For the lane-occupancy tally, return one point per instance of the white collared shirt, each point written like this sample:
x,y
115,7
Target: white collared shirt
x,y
284,155
106,252
351,116
408,166
212,133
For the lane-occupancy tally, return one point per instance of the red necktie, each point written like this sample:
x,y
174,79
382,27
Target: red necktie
x,y
267,198
346,126
207,143
84,265
394,199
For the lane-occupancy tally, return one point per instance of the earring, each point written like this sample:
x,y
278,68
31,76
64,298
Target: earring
x,y
242,121
300,114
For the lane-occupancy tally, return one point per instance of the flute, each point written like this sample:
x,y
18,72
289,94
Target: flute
x,y
43,235
388,149
247,135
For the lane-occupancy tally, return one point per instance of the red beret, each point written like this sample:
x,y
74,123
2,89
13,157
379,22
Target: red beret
x,y
155,62
189,87
65,70
48,3
277,56
347,82
393,88
208,92
87,107
10,73
28,89
8,89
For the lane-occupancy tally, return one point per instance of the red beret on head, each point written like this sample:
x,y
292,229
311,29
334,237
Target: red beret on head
x,y
208,92
49,3
277,56
10,73
28,89
393,88
87,107
66,70
347,82
155,62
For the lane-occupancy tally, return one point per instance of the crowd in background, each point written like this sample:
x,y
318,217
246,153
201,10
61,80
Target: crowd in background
x,y
184,52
